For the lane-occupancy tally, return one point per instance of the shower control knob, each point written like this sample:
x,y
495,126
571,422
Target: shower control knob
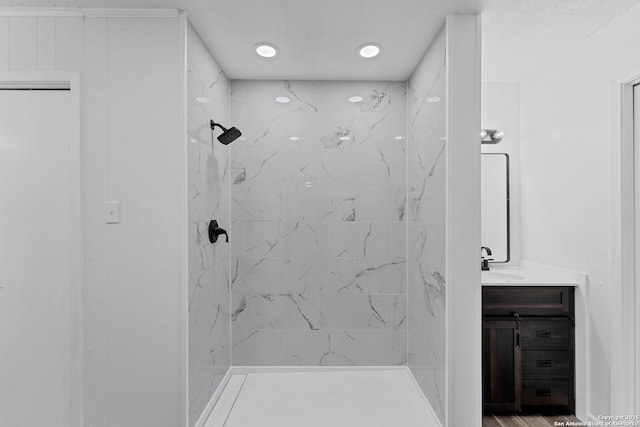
x,y
215,231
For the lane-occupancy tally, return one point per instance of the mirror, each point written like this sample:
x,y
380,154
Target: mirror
x,y
495,205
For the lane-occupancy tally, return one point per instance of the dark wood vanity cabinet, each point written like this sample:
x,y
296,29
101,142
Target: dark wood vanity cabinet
x,y
528,349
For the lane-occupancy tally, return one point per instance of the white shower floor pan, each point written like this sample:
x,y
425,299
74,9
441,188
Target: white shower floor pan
x,y
321,398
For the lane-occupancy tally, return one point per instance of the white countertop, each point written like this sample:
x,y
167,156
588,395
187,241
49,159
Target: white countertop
x,y
530,274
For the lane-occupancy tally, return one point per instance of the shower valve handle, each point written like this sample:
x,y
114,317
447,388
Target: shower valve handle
x,y
215,231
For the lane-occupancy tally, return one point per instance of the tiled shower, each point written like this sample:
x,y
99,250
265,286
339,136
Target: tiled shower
x,y
335,213
318,250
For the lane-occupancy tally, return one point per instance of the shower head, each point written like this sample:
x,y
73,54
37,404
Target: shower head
x,y
228,135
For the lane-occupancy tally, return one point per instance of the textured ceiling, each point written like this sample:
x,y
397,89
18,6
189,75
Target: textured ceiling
x,y
518,34
317,39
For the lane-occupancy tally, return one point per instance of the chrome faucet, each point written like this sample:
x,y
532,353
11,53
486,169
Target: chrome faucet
x,y
484,264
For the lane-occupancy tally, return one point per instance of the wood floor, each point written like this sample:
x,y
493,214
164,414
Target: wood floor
x,y
526,420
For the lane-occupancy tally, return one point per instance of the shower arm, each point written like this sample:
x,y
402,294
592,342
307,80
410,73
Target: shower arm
x,y
213,126
228,135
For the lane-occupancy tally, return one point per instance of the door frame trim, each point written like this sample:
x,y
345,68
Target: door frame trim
x,y
77,220
625,384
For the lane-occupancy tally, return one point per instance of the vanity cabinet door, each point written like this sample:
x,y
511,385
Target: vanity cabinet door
x,y
501,367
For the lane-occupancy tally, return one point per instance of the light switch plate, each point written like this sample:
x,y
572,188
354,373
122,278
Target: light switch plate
x,y
112,213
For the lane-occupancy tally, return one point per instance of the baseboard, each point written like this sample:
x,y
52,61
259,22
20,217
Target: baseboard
x,y
434,416
204,415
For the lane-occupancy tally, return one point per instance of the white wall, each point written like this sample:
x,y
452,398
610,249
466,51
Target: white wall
x,y
463,347
566,145
566,196
133,152
501,111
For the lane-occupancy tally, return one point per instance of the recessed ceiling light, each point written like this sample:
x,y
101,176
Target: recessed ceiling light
x,y
282,99
398,138
355,99
369,50
266,50
343,138
433,99
193,140
203,100
294,138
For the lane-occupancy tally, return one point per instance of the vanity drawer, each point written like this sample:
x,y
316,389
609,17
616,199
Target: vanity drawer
x,y
536,332
527,300
545,393
546,363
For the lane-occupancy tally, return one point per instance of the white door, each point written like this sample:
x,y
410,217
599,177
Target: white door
x,y
39,334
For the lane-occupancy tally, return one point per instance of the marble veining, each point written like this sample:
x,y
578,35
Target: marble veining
x,y
318,202
434,290
208,175
425,209
290,89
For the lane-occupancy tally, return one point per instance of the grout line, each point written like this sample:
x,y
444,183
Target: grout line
x,y
37,19
406,210
9,21
108,262
55,43
229,251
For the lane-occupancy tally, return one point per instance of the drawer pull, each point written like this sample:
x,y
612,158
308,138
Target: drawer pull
x,y
543,392
543,333
543,363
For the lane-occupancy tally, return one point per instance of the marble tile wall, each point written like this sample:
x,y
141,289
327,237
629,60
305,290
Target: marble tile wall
x,y
208,180
318,236
426,223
